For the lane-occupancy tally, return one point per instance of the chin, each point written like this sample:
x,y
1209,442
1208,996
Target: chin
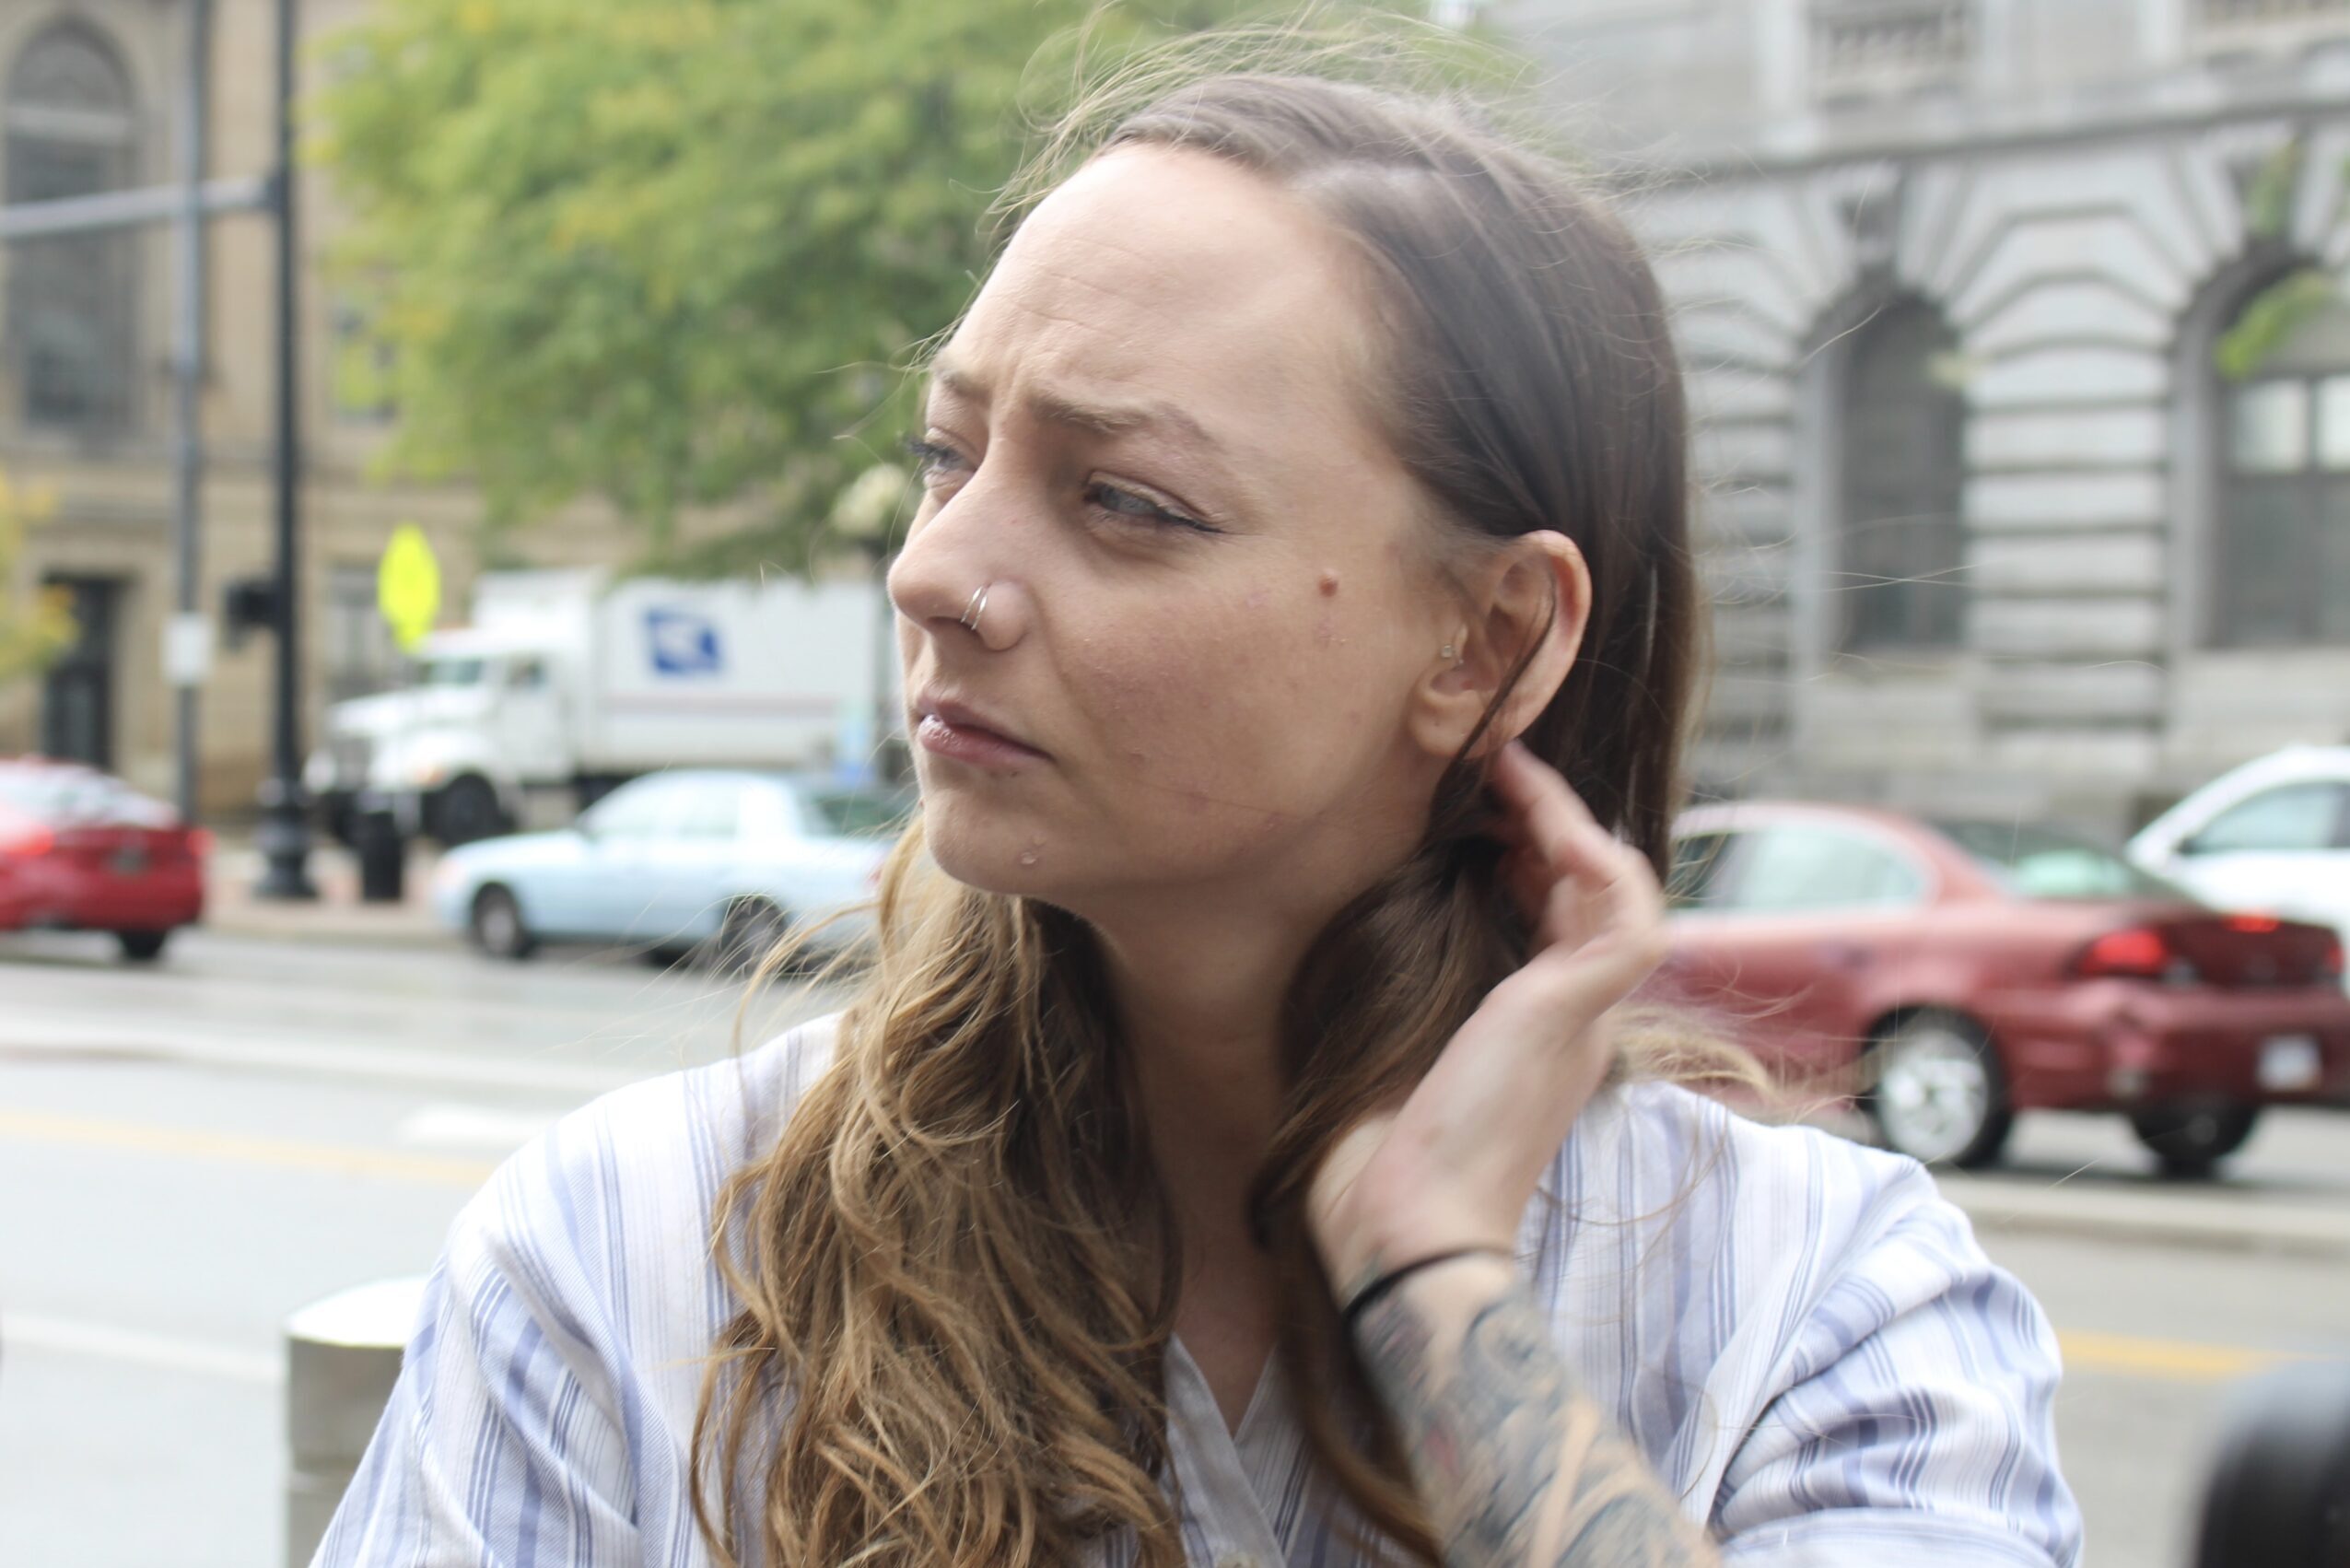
x,y
984,846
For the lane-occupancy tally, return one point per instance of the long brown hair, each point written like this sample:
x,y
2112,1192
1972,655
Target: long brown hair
x,y
956,1270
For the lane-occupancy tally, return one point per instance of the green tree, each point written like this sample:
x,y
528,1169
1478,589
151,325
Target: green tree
x,y
33,629
676,252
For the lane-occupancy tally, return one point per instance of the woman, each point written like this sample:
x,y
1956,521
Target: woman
x,y
1241,1154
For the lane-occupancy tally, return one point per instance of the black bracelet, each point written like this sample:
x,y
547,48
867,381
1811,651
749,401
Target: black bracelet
x,y
1351,1313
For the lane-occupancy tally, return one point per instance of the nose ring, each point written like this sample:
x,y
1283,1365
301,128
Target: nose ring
x,y
977,608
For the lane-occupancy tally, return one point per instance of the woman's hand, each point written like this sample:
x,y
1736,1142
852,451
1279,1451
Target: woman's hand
x,y
1457,1162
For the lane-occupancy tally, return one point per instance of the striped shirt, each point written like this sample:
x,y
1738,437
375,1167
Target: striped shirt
x,y
1801,1336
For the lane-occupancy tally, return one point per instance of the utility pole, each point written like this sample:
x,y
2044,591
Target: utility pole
x,y
189,653
284,835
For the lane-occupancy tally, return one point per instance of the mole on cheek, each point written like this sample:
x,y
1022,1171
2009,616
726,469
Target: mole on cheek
x,y
1329,585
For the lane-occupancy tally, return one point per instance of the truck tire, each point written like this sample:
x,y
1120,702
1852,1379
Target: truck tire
x,y
496,925
465,809
2191,1140
1937,1092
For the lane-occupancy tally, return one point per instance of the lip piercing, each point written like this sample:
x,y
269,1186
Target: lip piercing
x,y
977,608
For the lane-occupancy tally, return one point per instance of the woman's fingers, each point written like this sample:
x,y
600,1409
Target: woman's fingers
x,y
1553,823
1572,876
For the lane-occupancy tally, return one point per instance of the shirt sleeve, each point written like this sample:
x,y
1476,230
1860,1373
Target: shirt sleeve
x,y
1914,1422
502,1444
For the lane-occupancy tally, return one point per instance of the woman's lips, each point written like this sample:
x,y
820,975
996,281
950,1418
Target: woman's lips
x,y
965,742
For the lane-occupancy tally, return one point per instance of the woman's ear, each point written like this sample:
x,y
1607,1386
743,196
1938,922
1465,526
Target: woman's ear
x,y
1529,601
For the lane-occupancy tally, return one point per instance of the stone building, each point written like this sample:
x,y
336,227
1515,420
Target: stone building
x,y
1989,527
90,101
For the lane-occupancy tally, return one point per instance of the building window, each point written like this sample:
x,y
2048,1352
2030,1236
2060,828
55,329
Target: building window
x,y
72,130
1869,48
361,657
2280,566
362,366
1901,542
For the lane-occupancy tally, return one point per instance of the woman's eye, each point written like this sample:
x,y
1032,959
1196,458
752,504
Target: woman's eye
x,y
934,460
1121,502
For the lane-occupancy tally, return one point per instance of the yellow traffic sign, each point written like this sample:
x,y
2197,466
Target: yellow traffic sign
x,y
407,585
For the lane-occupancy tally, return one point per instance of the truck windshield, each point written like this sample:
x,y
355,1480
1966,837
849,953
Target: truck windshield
x,y
449,671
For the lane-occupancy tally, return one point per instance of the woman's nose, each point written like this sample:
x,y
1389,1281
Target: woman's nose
x,y
949,588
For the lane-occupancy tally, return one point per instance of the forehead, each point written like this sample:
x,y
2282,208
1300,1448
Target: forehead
x,y
1179,273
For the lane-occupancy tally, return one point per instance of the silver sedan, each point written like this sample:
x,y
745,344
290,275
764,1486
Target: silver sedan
x,y
720,862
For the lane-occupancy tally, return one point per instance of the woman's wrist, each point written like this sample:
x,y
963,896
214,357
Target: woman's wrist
x,y
1362,1233
1354,1304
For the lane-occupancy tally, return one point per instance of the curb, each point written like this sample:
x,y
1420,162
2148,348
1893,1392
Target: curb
x,y
326,931
2214,1224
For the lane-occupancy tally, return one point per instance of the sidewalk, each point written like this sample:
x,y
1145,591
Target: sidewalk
x,y
337,915
2189,1216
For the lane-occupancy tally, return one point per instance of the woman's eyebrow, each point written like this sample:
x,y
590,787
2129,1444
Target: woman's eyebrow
x,y
1094,417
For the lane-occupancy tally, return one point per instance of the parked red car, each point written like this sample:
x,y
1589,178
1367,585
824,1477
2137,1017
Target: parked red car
x,y
1948,975
81,850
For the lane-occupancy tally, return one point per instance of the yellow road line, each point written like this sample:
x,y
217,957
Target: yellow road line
x,y
2176,1359
283,1153
2125,1354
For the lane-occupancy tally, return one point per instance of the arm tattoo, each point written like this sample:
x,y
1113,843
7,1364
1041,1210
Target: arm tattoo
x,y
1520,1467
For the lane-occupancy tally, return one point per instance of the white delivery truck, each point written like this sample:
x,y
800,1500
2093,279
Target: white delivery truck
x,y
569,682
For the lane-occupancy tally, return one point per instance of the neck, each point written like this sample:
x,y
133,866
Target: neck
x,y
1202,1021
1201,1016
1197,975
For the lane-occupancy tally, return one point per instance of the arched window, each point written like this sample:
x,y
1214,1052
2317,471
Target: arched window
x,y
1902,542
2280,563
71,131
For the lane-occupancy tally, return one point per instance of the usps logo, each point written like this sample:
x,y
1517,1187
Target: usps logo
x,y
682,643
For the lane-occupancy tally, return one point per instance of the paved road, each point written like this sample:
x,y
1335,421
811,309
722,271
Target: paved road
x,y
258,1123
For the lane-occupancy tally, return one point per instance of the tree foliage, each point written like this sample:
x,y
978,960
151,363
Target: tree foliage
x,y
2270,319
35,627
674,252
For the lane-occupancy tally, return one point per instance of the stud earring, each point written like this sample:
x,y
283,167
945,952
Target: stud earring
x,y
1446,652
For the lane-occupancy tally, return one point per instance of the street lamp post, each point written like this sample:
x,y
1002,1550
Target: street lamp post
x,y
284,836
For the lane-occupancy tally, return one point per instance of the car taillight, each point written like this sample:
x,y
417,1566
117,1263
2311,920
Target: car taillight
x,y
2136,952
30,841
2330,960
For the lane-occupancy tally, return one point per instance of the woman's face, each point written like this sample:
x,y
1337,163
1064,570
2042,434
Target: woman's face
x,y
1207,597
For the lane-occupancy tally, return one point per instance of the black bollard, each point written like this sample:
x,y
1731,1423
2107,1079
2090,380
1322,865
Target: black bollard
x,y
383,854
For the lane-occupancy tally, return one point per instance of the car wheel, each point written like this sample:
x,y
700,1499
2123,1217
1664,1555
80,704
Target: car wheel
x,y
466,808
752,929
142,947
1937,1092
497,925
2191,1140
